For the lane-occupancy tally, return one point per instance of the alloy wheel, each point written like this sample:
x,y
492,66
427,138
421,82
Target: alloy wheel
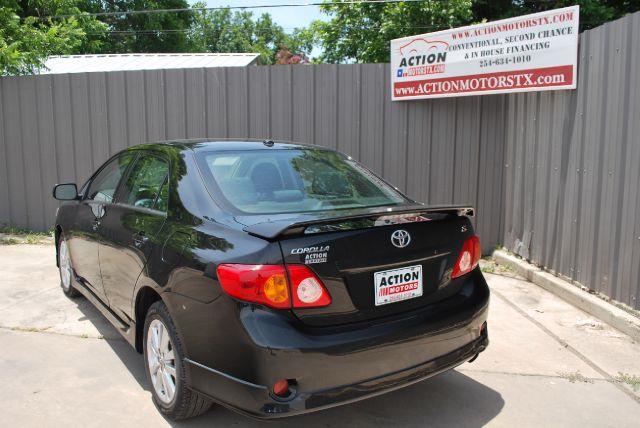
x,y
65,266
161,361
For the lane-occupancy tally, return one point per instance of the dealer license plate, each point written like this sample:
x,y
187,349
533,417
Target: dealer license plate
x,y
396,285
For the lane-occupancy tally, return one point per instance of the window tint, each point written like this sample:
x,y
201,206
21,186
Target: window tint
x,y
103,186
280,181
146,185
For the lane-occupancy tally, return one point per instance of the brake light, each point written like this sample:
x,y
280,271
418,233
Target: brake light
x,y
265,284
469,257
307,289
268,285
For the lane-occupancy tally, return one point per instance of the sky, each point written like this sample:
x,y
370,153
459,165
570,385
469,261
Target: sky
x,y
287,17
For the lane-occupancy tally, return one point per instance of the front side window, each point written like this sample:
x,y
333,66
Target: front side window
x,y
146,186
103,186
293,180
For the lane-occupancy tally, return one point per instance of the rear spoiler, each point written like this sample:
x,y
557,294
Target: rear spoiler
x,y
274,229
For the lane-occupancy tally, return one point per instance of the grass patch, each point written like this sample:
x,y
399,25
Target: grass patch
x,y
632,380
11,235
8,241
574,377
34,239
22,231
30,329
488,265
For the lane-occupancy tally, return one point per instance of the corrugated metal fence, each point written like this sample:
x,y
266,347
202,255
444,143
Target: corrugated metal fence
x,y
572,168
60,128
554,175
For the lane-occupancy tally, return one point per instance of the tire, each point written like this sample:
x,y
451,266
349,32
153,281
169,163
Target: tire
x,y
65,269
164,363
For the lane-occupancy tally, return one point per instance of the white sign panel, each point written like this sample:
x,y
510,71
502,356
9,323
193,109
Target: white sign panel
x,y
535,52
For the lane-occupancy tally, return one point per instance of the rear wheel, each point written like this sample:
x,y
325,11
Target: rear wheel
x,y
66,269
166,371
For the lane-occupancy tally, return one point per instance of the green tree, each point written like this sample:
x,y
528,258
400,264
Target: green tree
x,y
592,12
361,32
144,32
226,31
27,37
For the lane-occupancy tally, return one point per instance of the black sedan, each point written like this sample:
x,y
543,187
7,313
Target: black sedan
x,y
272,278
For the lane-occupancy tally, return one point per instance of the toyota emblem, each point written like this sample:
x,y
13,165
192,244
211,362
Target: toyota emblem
x,y
400,238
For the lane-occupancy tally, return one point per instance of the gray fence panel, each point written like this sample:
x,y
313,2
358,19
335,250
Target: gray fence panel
x,y
554,175
258,101
195,94
573,168
13,151
47,146
428,148
216,103
302,103
372,123
281,103
4,173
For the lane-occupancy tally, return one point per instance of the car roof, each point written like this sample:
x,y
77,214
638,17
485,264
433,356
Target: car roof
x,y
205,144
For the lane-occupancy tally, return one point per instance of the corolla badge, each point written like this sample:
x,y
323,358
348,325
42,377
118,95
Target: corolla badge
x,y
400,238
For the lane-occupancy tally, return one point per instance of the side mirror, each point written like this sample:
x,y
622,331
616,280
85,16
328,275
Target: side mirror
x,y
65,192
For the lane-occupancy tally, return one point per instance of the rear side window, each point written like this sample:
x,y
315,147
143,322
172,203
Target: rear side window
x,y
293,180
146,186
103,186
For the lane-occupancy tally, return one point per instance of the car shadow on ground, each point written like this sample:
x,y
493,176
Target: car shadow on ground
x,y
449,399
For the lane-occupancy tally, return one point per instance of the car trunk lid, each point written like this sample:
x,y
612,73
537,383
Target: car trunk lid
x,y
357,260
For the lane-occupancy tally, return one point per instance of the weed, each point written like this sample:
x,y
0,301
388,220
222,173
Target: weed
x,y
16,230
26,329
574,377
32,238
8,241
632,380
488,265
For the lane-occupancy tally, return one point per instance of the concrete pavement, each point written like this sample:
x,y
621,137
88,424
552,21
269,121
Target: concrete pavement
x,y
548,364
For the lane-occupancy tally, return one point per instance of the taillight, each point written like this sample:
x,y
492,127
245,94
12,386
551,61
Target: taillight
x,y
307,291
265,284
268,285
469,257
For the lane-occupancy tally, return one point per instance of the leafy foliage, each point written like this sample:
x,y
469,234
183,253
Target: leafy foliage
x,y
227,31
149,32
361,32
353,33
592,12
26,40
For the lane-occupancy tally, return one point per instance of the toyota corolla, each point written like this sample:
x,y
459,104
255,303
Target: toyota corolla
x,y
271,278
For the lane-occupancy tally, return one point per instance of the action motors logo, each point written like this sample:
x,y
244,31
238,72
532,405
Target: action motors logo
x,y
421,57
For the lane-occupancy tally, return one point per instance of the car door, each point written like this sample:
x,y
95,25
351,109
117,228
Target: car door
x,y
97,200
131,231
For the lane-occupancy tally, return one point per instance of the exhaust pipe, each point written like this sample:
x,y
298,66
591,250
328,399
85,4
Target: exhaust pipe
x,y
474,358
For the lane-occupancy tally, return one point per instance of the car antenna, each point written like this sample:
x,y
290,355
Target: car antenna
x,y
268,143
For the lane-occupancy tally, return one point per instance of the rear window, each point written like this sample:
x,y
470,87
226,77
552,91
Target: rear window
x,y
284,180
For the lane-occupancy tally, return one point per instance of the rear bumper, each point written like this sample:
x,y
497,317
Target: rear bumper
x,y
329,367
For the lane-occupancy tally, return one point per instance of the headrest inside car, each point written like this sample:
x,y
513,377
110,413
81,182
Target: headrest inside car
x,y
239,189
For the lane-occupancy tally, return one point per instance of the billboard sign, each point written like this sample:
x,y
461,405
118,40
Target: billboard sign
x,y
536,52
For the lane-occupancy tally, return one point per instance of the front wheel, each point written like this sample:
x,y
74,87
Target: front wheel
x,y
166,371
66,269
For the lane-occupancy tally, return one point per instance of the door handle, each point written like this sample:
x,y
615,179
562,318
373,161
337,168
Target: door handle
x,y
139,239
